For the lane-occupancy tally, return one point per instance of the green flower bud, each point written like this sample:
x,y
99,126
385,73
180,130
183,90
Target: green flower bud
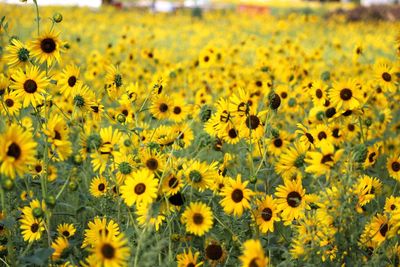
x,y
121,118
37,212
57,17
7,184
51,201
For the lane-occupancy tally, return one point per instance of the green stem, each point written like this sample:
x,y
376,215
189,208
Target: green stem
x,y
37,16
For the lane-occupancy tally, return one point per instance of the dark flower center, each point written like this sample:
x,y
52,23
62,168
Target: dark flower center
x,y
322,135
173,182
371,157
252,122
293,199
237,195
14,151
330,112
9,102
384,229
38,168
152,164
214,252
102,186
198,218
275,101
34,227
177,199
346,94
163,107
48,45
386,77
232,133
278,142
266,214
310,138
57,135
177,110
65,233
30,86
72,81
108,251
318,93
326,158
254,263
140,188
396,166
118,80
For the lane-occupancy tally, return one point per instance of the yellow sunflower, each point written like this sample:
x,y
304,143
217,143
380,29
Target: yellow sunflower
x,y
345,95
17,151
29,85
69,80
236,197
47,47
188,259
393,167
111,251
97,228
98,186
31,228
140,188
198,218
266,214
59,245
253,254
291,200
66,230
17,54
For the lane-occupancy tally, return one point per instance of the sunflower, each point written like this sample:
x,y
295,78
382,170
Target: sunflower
x,y
29,85
150,215
98,186
184,136
31,227
345,95
99,227
236,197
385,76
11,105
231,134
252,125
305,136
113,81
152,160
66,230
17,151
278,143
60,245
291,160
111,250
188,259
17,54
68,80
215,253
198,218
47,47
179,109
392,204
365,190
140,188
380,228
393,167
253,254
161,107
82,98
199,175
291,200
318,93
320,163
266,214
172,183
57,132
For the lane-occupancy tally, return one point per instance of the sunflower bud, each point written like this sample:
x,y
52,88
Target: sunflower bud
x,y
37,212
57,17
360,153
77,159
51,201
7,184
121,118
72,186
253,179
205,113
368,122
325,76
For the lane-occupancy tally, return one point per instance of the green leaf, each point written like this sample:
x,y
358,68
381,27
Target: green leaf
x,y
40,257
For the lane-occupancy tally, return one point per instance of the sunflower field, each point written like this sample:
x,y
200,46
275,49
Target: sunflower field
x,y
129,138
